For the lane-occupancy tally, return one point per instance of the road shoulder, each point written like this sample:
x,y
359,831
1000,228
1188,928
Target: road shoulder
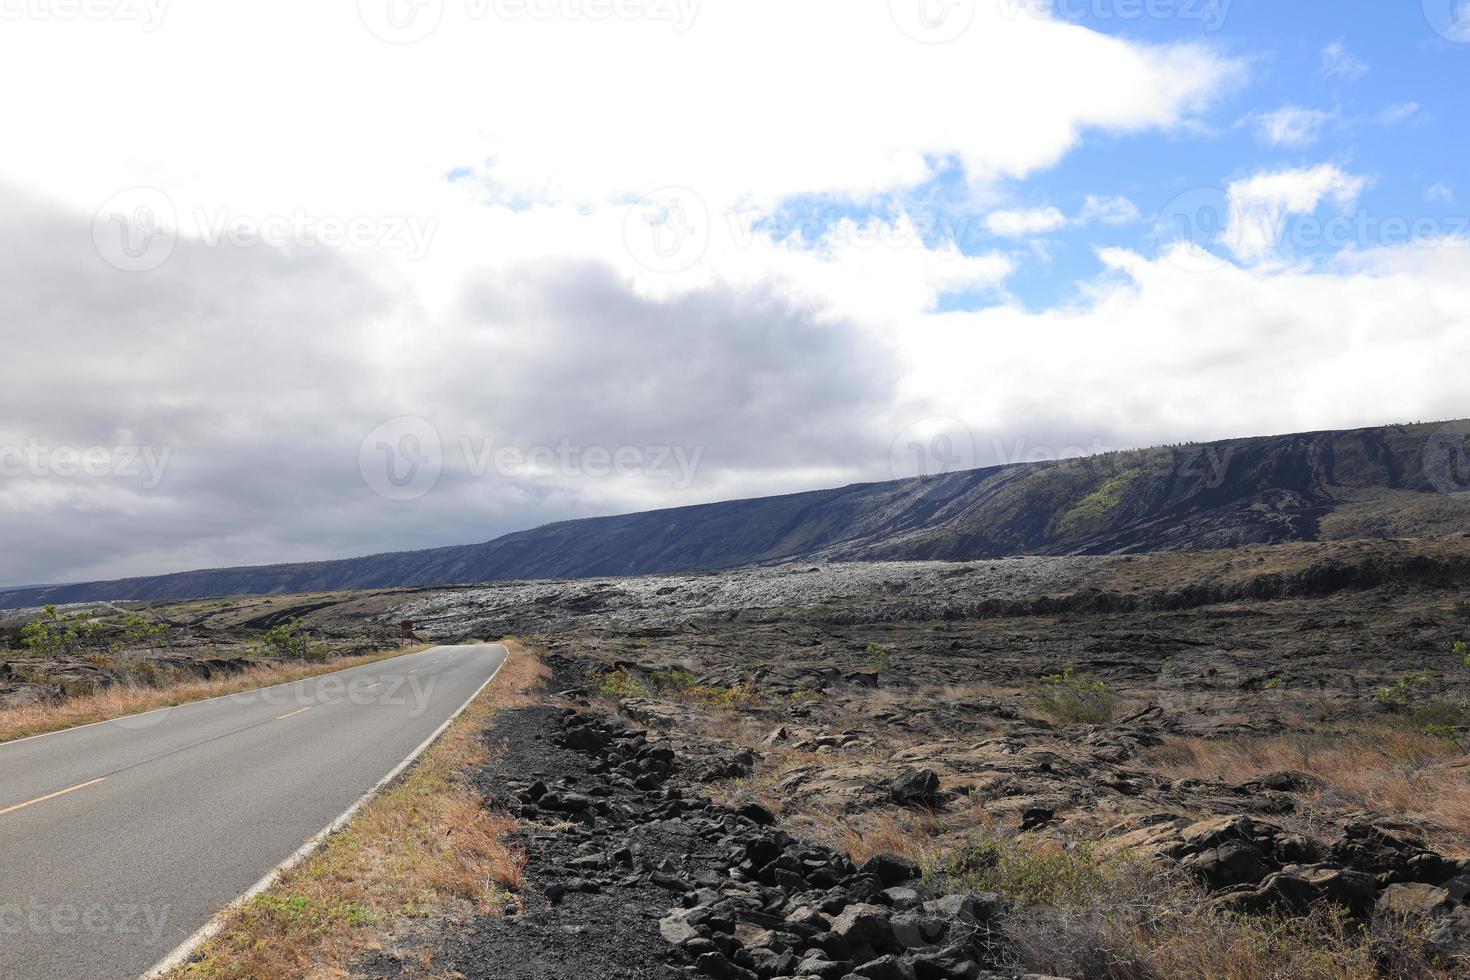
x,y
424,846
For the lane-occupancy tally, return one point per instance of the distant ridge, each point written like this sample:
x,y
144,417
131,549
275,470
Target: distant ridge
x,y
1354,483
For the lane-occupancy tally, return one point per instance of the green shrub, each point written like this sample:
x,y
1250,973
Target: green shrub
x,y
1025,872
676,684
287,641
1071,699
620,684
139,630
55,635
879,656
1404,693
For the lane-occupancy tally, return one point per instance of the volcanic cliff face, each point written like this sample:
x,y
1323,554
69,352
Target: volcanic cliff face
x,y
1382,482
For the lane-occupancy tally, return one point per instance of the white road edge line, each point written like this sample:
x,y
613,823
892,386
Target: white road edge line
x,y
181,953
217,697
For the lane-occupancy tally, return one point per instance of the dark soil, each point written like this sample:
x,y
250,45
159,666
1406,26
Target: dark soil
x,y
564,931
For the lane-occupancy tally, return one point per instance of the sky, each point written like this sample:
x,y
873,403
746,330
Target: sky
x,y
288,282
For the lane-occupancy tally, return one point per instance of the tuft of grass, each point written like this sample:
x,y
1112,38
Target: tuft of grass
x,y
1026,871
1155,929
677,685
426,846
1406,773
1071,699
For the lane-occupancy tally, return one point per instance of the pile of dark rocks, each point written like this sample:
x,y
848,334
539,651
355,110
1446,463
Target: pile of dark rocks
x,y
1253,866
747,901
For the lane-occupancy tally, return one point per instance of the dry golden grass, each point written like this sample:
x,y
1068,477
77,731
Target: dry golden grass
x,y
132,699
1413,776
913,834
1078,912
427,845
1163,931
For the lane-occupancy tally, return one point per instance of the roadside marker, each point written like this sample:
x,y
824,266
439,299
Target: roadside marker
x,y
50,796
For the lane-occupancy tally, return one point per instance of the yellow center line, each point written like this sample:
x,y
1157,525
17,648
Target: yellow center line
x,y
292,714
50,796
371,686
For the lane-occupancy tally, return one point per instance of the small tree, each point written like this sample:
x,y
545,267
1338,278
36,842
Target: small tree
x,y
287,640
55,635
142,631
879,656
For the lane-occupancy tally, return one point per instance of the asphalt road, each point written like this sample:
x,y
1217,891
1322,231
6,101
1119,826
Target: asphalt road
x,y
119,840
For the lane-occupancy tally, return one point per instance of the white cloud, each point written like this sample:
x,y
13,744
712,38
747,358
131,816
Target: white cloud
x,y
1440,192
1338,63
1399,113
1291,126
1109,210
1025,222
632,107
1020,223
1260,204
1162,353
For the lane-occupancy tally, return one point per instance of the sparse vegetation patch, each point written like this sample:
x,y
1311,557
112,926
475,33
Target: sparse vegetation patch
x,y
1076,700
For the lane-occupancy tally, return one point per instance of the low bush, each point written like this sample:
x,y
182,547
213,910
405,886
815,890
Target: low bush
x,y
1408,690
678,685
879,657
1026,871
1072,699
141,631
287,641
56,634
